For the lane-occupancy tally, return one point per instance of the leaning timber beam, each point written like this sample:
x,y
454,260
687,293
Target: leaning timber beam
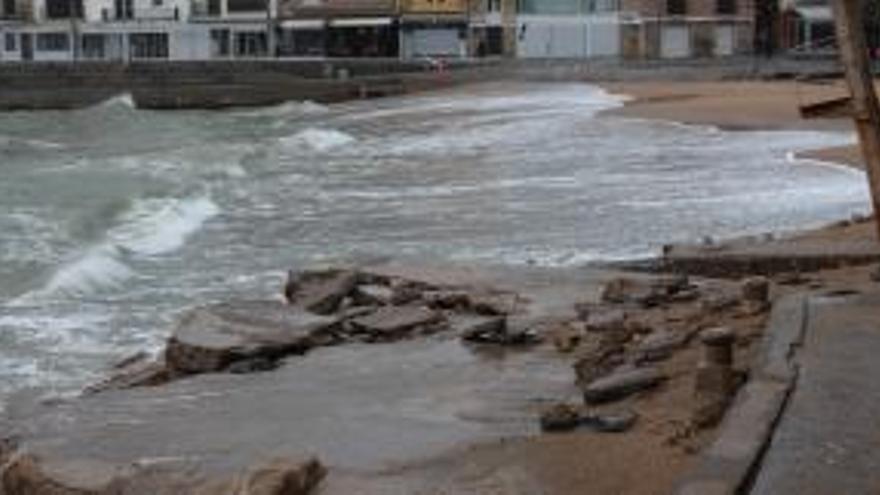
x,y
864,106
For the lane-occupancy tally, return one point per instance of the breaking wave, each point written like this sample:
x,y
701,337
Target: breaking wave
x,y
289,108
11,143
123,100
156,226
151,227
319,140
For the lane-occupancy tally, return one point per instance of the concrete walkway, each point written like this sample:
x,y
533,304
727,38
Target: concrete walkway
x,y
828,440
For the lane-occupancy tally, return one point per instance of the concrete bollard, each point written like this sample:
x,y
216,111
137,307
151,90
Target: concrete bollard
x,y
756,290
715,380
718,346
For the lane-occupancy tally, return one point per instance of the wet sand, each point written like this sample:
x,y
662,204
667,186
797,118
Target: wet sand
x,y
740,105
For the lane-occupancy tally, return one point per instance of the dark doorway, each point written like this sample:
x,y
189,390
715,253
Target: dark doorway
x,y
27,46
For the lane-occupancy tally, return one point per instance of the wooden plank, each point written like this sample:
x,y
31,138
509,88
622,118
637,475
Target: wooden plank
x,y
838,107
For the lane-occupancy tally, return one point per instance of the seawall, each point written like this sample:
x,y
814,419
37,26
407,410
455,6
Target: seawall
x,y
220,84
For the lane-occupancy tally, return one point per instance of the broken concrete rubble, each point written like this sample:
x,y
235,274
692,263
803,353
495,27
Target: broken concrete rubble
x,y
659,346
504,331
622,383
560,417
213,337
393,322
480,328
447,299
280,477
606,320
596,359
566,417
144,372
651,292
321,293
25,474
372,295
498,304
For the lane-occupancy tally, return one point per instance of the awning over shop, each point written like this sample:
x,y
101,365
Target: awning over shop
x,y
815,13
433,18
361,22
302,24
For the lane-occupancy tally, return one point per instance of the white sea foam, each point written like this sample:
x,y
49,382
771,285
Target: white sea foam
x,y
156,226
319,140
151,227
11,142
287,109
98,267
123,100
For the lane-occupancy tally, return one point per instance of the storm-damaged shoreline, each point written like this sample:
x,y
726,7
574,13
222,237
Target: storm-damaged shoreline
x,y
210,414
457,367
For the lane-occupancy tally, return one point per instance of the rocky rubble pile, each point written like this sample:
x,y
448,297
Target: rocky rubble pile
x,y
322,308
621,343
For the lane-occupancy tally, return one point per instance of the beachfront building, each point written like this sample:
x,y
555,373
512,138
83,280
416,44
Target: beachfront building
x,y
434,28
492,25
13,14
234,29
338,28
807,26
72,30
686,28
568,28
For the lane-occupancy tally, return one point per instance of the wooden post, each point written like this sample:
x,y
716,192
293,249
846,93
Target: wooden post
x,y
866,112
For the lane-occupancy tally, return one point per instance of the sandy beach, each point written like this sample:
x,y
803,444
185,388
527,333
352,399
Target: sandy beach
x,y
740,105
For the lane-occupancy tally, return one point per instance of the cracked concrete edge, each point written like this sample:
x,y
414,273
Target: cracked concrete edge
x,y
728,465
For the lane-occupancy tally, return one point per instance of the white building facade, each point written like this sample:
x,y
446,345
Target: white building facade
x,y
136,30
568,29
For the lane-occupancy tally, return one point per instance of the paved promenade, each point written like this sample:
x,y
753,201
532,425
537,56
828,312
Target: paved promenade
x,y
828,441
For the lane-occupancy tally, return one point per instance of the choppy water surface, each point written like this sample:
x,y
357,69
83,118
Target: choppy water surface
x,y
112,219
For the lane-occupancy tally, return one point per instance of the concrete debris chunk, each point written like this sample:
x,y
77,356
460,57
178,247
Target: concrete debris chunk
x,y
213,337
621,384
394,322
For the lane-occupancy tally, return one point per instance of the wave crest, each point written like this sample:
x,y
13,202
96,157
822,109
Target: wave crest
x,y
319,140
151,227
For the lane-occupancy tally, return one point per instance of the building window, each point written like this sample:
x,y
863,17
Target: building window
x,y
52,42
157,3
124,9
93,46
149,45
676,7
493,5
220,42
9,7
246,5
726,7
558,7
64,9
250,44
604,5
10,42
